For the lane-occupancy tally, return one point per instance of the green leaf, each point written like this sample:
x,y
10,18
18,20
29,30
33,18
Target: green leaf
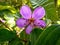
x,y
15,41
4,43
23,35
58,42
6,35
34,35
12,9
49,6
49,36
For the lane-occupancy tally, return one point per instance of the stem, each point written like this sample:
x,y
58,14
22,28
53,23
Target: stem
x,y
5,25
18,35
24,40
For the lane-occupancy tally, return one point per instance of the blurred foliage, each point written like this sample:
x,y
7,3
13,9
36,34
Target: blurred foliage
x,y
9,12
49,6
58,7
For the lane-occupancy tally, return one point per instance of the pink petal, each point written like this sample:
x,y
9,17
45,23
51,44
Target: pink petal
x,y
25,11
39,13
40,23
21,22
29,29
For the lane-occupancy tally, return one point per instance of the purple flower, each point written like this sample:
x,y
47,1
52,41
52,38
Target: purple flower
x,y
31,20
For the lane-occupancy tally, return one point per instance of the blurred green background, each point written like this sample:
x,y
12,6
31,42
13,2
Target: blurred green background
x,y
10,34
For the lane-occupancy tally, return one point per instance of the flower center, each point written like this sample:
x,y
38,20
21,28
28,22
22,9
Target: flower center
x,y
31,20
